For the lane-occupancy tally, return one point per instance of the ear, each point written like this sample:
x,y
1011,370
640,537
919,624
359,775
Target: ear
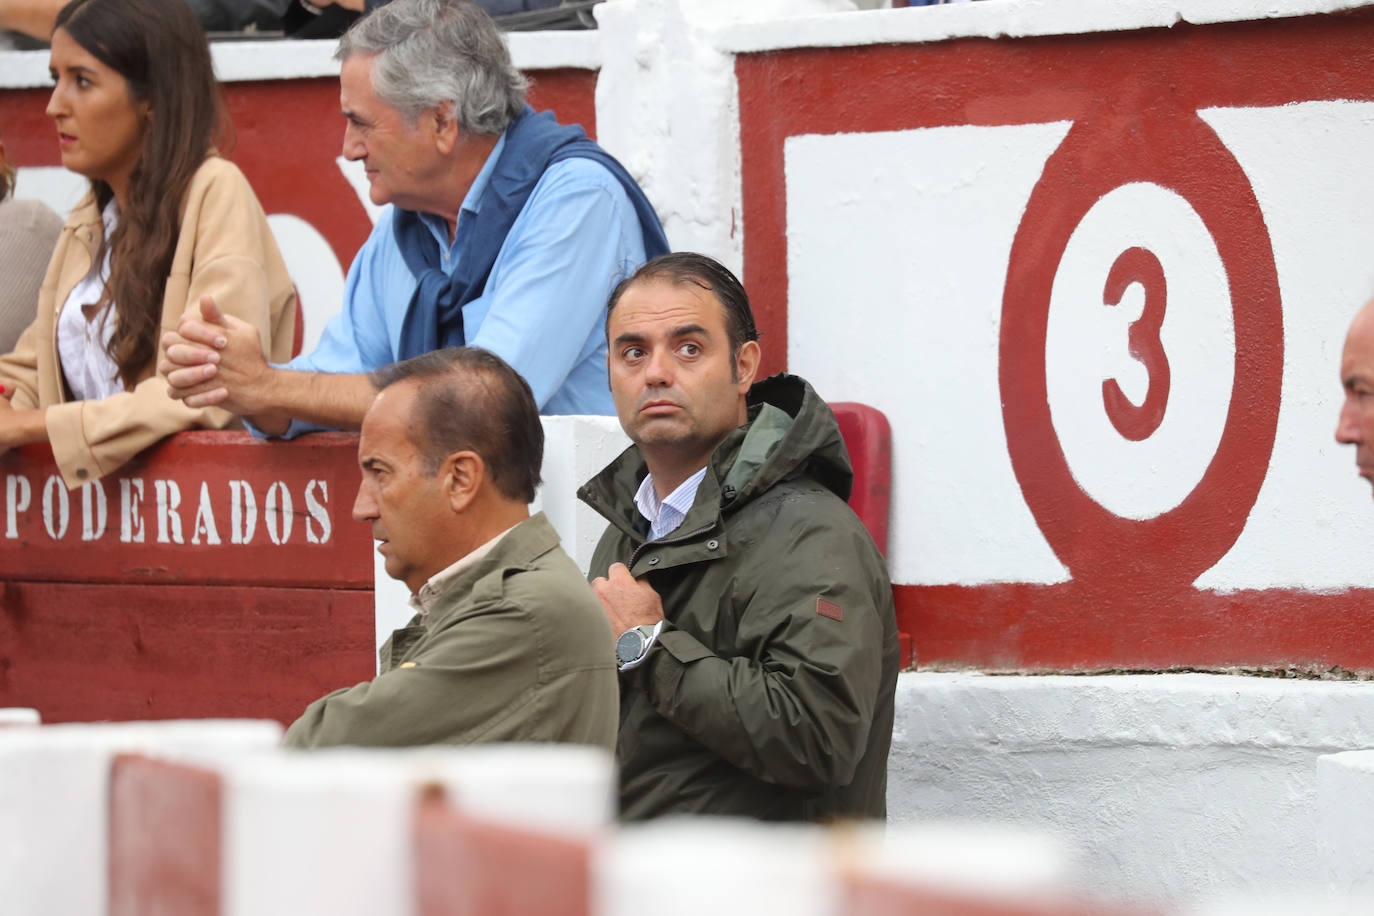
x,y
747,361
445,127
463,474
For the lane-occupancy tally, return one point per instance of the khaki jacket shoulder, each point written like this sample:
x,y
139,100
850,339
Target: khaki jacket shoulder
x,y
225,249
517,649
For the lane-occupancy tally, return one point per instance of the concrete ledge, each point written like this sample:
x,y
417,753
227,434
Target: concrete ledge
x,y
1184,787
1020,19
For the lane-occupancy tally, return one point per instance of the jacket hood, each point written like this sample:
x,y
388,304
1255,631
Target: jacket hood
x,y
791,432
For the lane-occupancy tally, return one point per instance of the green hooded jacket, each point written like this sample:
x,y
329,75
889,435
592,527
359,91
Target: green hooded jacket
x,y
769,692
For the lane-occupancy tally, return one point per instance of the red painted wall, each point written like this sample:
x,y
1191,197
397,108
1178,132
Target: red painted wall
x,y
135,613
107,629
1133,98
287,134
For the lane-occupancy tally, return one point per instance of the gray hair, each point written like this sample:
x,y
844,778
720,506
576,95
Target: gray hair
x,y
434,51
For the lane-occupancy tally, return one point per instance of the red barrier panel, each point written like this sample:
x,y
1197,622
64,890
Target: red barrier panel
x,y
1138,104
165,838
868,438
214,575
468,866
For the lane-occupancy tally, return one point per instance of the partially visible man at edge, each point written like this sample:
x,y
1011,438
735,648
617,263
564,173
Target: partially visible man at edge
x,y
508,232
508,642
758,646
1356,424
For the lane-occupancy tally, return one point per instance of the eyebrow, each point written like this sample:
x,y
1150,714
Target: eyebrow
x,y
685,330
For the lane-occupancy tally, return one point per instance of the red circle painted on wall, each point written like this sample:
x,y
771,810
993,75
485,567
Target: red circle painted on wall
x,y
1176,150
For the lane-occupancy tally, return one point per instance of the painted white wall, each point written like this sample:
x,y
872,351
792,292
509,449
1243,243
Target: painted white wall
x,y
957,512
54,802
936,293
667,106
1345,796
1173,788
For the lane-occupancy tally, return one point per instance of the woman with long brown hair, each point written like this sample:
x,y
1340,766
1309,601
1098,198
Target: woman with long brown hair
x,y
167,220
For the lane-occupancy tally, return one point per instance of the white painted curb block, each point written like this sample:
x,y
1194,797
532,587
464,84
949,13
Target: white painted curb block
x,y
986,862
19,716
688,867
54,802
332,831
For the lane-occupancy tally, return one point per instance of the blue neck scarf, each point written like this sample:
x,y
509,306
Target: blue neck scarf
x,y
434,316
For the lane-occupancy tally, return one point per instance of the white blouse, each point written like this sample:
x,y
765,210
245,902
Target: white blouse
x,y
82,339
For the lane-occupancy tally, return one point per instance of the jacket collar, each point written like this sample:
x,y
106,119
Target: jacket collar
x,y
484,580
790,431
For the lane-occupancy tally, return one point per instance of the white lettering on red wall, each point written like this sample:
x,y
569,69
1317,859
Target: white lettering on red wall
x,y
175,522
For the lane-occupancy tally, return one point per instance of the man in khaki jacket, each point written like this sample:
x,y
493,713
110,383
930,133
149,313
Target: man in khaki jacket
x,y
508,643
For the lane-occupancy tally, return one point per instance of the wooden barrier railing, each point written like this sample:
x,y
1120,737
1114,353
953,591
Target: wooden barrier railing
x,y
214,575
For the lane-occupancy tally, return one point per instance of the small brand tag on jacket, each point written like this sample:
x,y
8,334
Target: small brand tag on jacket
x,y
829,609
410,664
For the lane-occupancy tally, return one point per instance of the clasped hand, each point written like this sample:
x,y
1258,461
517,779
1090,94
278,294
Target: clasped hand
x,y
214,361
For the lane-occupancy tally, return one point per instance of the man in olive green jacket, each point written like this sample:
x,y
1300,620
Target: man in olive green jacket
x,y
759,648
509,643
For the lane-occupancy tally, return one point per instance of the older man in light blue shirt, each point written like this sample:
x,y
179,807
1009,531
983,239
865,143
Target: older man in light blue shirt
x,y
531,289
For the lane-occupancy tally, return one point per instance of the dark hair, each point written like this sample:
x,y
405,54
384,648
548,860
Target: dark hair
x,y
7,175
159,48
472,399
679,267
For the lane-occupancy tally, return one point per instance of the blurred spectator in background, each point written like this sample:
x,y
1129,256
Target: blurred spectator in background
x,y
28,232
26,24
166,222
1355,425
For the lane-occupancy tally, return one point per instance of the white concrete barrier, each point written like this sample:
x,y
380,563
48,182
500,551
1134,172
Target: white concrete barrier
x,y
333,831
54,786
1345,795
686,867
1176,787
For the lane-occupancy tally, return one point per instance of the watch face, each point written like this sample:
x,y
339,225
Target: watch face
x,y
629,646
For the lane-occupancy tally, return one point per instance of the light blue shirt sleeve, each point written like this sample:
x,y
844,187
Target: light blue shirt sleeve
x,y
543,308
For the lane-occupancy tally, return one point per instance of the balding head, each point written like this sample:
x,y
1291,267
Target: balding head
x,y
1356,424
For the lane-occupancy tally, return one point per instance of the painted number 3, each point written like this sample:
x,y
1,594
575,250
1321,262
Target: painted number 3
x,y
1137,265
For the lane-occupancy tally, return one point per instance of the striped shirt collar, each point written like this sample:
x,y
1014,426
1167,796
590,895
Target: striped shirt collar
x,y
664,516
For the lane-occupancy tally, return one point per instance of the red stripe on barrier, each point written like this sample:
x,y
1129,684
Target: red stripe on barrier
x,y
1088,627
165,838
465,865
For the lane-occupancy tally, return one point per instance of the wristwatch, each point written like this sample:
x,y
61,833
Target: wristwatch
x,y
634,644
